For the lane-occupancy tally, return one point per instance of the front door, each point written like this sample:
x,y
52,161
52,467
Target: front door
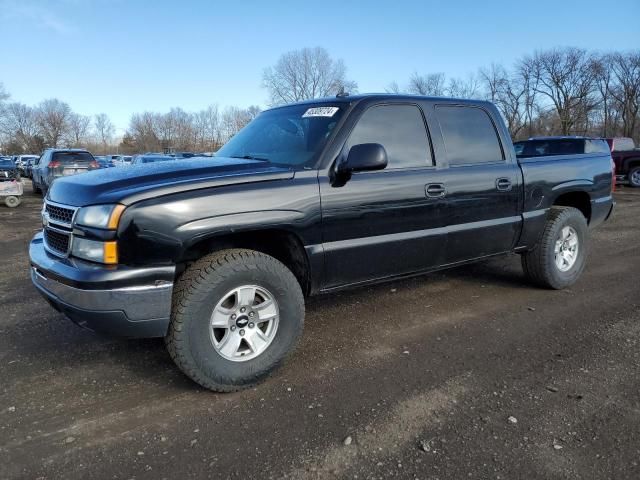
x,y
382,224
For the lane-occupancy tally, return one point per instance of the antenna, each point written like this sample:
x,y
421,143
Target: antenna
x,y
342,93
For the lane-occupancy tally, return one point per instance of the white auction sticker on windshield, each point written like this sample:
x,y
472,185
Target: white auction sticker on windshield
x,y
321,112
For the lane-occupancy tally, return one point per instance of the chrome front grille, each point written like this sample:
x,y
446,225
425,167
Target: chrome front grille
x,y
56,241
57,213
57,221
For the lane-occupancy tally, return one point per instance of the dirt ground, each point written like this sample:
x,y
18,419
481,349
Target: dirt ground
x,y
470,373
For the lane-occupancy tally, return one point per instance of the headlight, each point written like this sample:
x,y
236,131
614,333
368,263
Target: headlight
x,y
92,250
100,216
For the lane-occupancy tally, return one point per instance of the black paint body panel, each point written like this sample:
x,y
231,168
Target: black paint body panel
x,y
366,228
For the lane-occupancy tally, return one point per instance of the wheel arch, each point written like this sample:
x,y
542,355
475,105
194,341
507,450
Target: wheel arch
x,y
280,243
630,163
579,199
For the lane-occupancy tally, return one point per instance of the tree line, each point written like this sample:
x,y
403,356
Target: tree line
x,y
52,123
561,91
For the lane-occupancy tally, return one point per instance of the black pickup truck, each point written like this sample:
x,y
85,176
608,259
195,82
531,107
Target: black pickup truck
x,y
217,255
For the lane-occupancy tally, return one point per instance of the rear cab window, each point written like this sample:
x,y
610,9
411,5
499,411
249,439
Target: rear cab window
x,y
596,146
400,129
469,135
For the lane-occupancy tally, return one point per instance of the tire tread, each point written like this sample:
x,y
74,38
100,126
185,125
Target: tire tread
x,y
194,285
535,262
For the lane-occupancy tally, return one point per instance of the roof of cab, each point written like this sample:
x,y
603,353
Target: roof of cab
x,y
348,99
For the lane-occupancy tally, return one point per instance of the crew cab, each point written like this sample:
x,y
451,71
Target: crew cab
x,y
217,255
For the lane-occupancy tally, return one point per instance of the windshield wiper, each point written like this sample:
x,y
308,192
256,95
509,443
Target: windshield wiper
x,y
250,157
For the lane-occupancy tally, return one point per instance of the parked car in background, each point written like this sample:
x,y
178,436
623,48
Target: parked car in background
x,y
55,163
627,159
8,170
552,146
217,255
28,167
183,154
151,158
120,160
21,162
104,162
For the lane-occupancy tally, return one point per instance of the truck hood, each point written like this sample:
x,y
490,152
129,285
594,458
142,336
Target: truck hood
x,y
128,185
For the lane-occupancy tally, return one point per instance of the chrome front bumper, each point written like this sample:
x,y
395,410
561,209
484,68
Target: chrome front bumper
x,y
137,303
129,302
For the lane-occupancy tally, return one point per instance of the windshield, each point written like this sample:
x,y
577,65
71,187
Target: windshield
x,y
292,136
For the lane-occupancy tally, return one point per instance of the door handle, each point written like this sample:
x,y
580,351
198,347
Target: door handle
x,y
503,184
435,190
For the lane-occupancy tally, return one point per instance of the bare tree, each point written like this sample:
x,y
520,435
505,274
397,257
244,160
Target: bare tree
x,y
393,87
305,74
53,119
603,79
213,134
464,88
626,69
233,120
508,93
21,124
104,130
565,78
79,126
143,131
431,84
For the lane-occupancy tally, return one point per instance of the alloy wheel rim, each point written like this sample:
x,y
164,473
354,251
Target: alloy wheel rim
x,y
566,249
244,323
635,177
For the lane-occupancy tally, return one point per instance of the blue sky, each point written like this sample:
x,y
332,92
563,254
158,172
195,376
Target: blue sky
x,y
121,57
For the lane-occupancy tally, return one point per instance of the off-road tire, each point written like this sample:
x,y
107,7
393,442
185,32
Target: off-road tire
x,y
539,263
197,292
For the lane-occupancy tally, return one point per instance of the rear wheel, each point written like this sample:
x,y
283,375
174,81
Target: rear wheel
x,y
634,177
236,315
559,258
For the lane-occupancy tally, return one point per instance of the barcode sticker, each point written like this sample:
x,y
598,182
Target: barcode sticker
x,y
321,112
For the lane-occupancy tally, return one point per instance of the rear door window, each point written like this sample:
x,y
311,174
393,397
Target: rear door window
x,y
400,129
469,135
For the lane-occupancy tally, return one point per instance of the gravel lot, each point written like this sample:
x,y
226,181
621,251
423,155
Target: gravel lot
x,y
471,373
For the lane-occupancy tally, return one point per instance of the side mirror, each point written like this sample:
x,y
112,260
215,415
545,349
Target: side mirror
x,y
364,157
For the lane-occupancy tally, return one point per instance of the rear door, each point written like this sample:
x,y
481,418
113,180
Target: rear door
x,y
381,224
483,184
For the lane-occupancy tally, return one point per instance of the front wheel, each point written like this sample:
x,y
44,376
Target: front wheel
x,y
236,315
634,177
558,259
